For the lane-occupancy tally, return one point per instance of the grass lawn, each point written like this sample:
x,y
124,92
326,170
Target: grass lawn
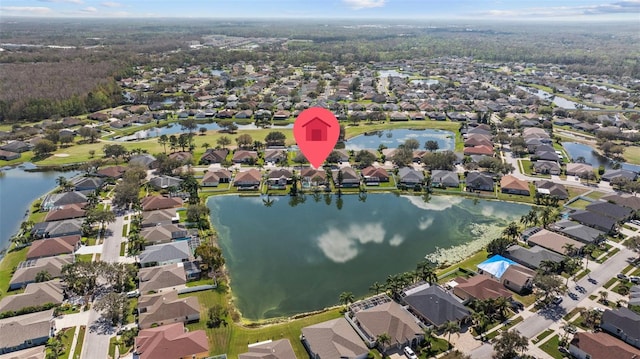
x,y
123,248
595,195
527,300
515,197
551,347
84,257
78,350
526,166
469,263
66,336
8,263
576,191
632,154
112,347
133,304
572,313
609,255
125,229
579,204
542,335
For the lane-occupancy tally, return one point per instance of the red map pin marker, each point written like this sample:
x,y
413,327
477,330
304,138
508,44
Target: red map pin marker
x,y
316,131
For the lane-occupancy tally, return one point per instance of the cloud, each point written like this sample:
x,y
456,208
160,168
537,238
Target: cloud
x,y
111,4
425,223
342,245
26,10
89,10
437,203
64,1
396,240
620,7
364,4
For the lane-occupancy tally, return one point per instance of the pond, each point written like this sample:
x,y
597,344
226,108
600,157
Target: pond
x,y
286,259
427,82
391,73
593,158
176,129
557,100
18,188
393,138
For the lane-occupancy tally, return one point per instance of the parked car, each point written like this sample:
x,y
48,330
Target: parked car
x,y
557,300
598,309
563,350
634,279
622,276
410,353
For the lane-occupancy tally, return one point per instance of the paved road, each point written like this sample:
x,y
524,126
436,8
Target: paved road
x,y
112,240
96,340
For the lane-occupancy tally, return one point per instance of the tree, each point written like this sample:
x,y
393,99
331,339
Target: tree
x,y
114,307
244,140
81,278
588,250
43,276
125,193
509,344
114,151
604,296
346,298
376,288
101,216
189,124
480,321
223,141
548,286
499,245
216,316
426,272
44,147
211,256
66,139
382,341
197,213
228,126
56,348
63,183
439,160
275,138
512,231
88,132
402,156
365,158
163,140
449,328
411,144
431,145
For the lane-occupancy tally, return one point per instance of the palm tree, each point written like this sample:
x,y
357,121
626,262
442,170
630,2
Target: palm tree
x,y
501,306
480,320
512,231
206,146
163,140
530,218
546,216
449,328
588,250
569,249
26,226
604,295
376,288
346,298
427,272
382,341
428,336
62,182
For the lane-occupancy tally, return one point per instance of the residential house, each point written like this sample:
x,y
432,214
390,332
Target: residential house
x,y
164,182
279,349
68,211
167,308
16,146
34,295
156,279
518,278
144,160
152,203
333,339
167,253
62,199
215,177
374,175
27,271
163,233
477,181
547,167
275,156
171,341
579,231
87,183
532,257
622,323
279,178
443,178
350,178
479,150
183,157
548,188
390,318
478,287
409,177
54,246
249,179
214,156
512,185
242,156
609,175
435,306
582,170
113,172
312,177
594,220
342,155
554,241
625,200
38,352
586,345
550,155
26,331
67,227
613,211
8,155
160,217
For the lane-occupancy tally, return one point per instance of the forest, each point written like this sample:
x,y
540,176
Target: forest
x,y
40,77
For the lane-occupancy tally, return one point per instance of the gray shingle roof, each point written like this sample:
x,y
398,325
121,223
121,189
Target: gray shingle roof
x,y
436,305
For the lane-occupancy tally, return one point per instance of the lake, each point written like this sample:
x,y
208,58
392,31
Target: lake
x,y
18,189
593,158
557,100
393,138
176,129
285,260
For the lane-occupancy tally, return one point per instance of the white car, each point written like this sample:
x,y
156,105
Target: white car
x,y
409,353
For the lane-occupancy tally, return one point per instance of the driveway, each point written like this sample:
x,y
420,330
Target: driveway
x,y
112,240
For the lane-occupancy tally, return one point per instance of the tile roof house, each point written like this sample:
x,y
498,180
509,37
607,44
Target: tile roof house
x,y
112,172
38,352
34,295
609,175
160,217
275,156
547,167
16,146
167,253
279,178
8,155
625,200
613,211
477,181
512,185
480,287
313,177
373,175
279,349
518,278
171,341
551,189
410,177
249,179
594,220
144,160
83,183
479,150
586,345
242,156
54,246
349,177
26,271
60,199
553,241
390,318
445,178
214,177
622,323
435,306
163,233
531,257
157,278
67,227
26,331
68,211
166,308
160,202
333,339
213,156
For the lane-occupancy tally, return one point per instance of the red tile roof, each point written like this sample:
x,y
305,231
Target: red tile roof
x,y
53,246
66,212
171,342
160,202
603,346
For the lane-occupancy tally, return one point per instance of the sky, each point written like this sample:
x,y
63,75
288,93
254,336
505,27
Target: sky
x,y
557,10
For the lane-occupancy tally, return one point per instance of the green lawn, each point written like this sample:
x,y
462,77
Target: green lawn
x,y
125,229
632,154
542,335
595,195
469,263
66,336
572,313
84,257
551,347
123,248
78,350
575,191
7,265
579,204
